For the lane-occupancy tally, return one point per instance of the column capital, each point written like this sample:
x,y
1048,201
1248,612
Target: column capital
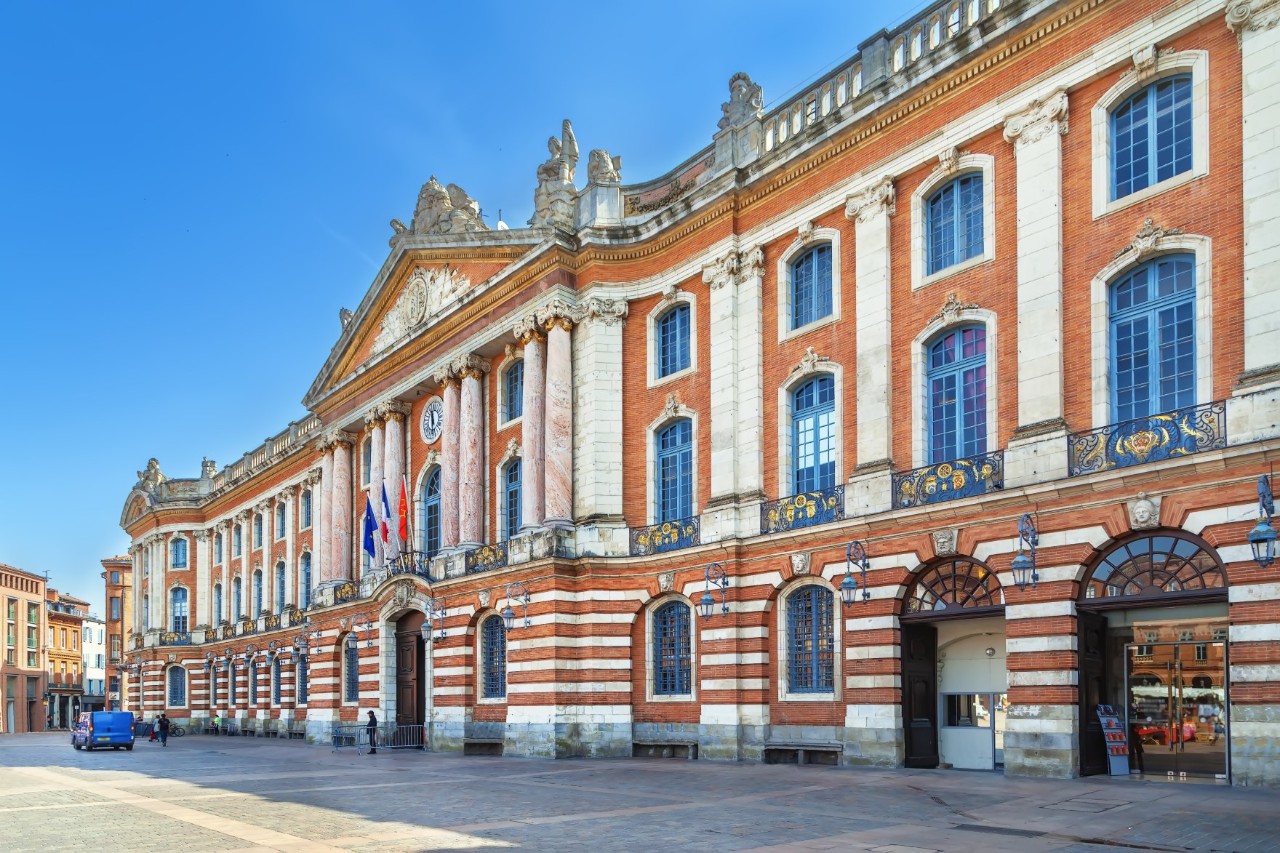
x,y
330,439
203,534
1252,15
527,330
599,309
390,409
469,367
1038,119
721,271
879,198
558,313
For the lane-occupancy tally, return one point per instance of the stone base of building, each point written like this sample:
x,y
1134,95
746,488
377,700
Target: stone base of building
x,y
1255,745
1042,741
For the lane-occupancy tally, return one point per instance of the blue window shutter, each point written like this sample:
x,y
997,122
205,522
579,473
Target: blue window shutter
x,y
1152,334
672,670
957,383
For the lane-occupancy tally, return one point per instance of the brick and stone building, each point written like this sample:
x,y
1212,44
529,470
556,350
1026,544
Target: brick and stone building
x,y
999,292
22,668
93,655
64,655
117,577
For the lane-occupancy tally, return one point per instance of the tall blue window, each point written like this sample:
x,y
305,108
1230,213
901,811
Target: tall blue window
x,y
513,390
1151,136
352,673
958,395
493,650
300,692
811,286
429,514
813,426
279,587
257,594
253,681
675,471
366,461
954,217
231,686
280,521
511,498
178,554
672,670
1153,361
304,510
810,640
177,687
217,604
257,530
237,540
178,610
673,341
237,598
304,581
275,681
217,547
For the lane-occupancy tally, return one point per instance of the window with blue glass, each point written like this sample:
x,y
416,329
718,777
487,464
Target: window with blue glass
x,y
672,660
231,684
813,425
493,651
366,461
810,640
954,226
511,499
811,286
300,691
257,593
253,682
304,581
217,547
351,671
178,554
278,532
1151,136
237,598
513,390
178,610
1153,354
957,378
304,510
257,530
279,587
217,604
275,681
237,541
673,341
429,514
177,686
675,471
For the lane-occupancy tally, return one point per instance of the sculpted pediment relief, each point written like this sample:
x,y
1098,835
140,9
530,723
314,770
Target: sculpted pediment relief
x,y
425,294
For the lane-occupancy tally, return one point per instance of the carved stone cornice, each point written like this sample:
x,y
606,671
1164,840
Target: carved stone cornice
x,y
1252,16
1147,240
1037,119
673,408
512,452
949,160
874,200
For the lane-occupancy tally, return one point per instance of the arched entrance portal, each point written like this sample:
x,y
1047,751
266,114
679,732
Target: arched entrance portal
x,y
411,673
1153,631
953,666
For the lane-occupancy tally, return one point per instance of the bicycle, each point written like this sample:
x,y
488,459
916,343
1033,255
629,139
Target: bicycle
x,y
177,731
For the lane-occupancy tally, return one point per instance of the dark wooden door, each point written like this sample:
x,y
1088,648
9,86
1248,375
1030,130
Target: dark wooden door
x,y
410,700
1092,644
920,694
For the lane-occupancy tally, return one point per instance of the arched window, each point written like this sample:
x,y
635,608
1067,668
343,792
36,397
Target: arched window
x,y
280,520
279,588
217,548
1151,136
1163,565
350,670
304,581
511,499
493,654
810,640
813,452
237,598
257,530
675,471
275,681
673,341
1153,335
304,509
954,228
672,658
956,584
300,690
217,604
811,286
429,514
513,390
957,377
257,594
178,610
178,554
237,540
177,687
253,681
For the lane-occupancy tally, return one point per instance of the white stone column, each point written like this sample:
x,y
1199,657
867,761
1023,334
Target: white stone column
x,y
749,295
245,520
393,458
597,437
290,568
159,583
321,522
471,457
449,460
722,308
376,449
340,516
201,595
532,425
558,444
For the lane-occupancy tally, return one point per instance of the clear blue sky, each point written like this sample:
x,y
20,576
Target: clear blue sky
x,y
190,192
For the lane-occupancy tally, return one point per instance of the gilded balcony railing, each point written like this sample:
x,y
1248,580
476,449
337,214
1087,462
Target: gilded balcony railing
x,y
348,591
175,638
949,481
248,626
665,536
271,622
411,563
803,510
1180,432
486,557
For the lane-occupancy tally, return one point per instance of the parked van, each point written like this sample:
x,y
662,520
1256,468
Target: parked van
x,y
103,728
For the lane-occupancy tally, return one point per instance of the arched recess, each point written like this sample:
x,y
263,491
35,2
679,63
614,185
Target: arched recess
x,y
1163,567
412,673
953,587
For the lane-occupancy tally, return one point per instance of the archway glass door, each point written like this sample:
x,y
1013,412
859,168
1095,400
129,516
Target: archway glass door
x,y
1178,711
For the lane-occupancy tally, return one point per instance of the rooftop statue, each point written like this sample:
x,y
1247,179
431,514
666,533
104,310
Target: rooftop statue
x,y
443,211
603,169
746,102
151,477
554,197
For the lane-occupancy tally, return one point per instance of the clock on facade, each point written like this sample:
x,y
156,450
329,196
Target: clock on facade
x,y
432,420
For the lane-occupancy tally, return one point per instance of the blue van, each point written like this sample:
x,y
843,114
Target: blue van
x,y
103,728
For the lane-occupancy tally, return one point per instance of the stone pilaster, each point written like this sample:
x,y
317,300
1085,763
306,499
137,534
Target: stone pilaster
x,y
340,509
532,425
449,447
393,458
374,426
321,520
558,440
471,456
201,611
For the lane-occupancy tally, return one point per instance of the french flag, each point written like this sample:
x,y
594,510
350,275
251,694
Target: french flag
x,y
390,543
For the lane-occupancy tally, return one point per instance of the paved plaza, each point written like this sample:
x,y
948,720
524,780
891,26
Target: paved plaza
x,y
205,793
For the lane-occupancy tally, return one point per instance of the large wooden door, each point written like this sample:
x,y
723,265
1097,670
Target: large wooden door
x,y
920,694
1092,644
410,698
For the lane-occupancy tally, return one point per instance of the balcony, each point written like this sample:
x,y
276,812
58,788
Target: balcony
x,y
1180,432
486,557
666,536
803,510
411,563
949,481
175,638
347,591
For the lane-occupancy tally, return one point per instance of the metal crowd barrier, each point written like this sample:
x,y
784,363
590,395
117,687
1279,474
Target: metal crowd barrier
x,y
389,736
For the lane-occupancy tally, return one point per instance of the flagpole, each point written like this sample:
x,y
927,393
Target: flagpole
x,y
405,503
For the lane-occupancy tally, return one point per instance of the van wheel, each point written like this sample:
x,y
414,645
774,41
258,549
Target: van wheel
x,y
89,747
76,746
128,747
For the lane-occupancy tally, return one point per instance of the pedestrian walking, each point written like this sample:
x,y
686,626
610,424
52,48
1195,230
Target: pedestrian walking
x,y
155,730
372,728
164,730
217,723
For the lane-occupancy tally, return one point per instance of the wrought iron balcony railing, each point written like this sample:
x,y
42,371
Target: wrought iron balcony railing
x,y
248,626
665,536
1165,436
486,557
175,638
803,510
949,481
271,622
226,632
411,563
347,591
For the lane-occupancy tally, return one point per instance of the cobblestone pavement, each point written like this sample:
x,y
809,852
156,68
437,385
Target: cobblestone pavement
x,y
205,793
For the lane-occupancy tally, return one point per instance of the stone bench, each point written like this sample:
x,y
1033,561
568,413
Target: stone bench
x,y
482,746
803,752
297,729
673,746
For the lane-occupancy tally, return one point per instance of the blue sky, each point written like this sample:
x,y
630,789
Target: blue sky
x,y
189,193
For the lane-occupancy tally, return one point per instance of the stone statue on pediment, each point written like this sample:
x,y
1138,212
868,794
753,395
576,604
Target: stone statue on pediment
x,y
553,199
603,169
746,102
445,210
150,478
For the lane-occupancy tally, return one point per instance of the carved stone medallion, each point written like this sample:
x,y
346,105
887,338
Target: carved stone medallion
x,y
1144,513
799,564
666,581
944,542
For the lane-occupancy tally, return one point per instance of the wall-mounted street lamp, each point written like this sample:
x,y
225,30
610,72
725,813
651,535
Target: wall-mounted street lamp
x,y
854,556
435,619
353,623
516,591
1024,564
208,661
1262,538
715,576
302,642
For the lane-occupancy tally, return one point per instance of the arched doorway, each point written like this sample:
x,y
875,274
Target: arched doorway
x,y
411,676
954,609
1153,631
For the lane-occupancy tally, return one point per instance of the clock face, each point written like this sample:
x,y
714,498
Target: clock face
x,y
432,420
